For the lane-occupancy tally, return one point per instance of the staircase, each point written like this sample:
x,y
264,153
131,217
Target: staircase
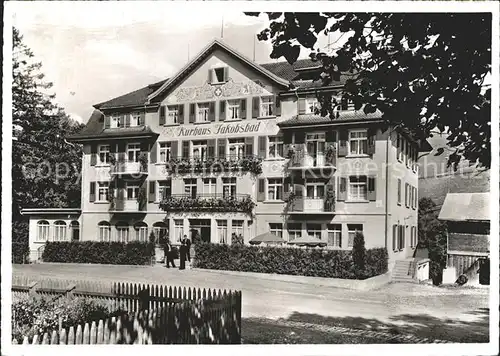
x,y
404,271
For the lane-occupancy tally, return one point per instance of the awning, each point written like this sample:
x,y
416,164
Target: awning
x,y
308,241
266,237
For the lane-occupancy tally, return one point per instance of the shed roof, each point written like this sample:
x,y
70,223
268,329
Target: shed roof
x,y
466,207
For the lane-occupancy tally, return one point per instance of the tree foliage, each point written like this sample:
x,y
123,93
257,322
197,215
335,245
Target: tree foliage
x,y
46,168
423,71
359,255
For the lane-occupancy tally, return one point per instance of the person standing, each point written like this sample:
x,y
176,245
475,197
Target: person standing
x,y
182,253
188,248
169,254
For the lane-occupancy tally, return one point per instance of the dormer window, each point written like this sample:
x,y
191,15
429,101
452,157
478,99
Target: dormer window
x,y
116,121
135,119
312,104
218,75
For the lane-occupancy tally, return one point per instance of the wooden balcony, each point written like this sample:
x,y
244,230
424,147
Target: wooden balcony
x,y
307,205
300,159
208,203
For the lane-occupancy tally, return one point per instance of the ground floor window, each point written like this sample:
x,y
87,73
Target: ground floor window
x,y
104,231
314,230
276,229
43,231
222,231
294,231
141,232
398,237
122,232
335,235
352,229
59,231
178,229
237,226
75,230
160,230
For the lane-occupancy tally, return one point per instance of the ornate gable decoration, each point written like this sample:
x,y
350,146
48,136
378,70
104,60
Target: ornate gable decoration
x,y
212,91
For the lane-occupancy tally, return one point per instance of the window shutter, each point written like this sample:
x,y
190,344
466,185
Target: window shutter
x,y
211,111
372,190
399,191
406,194
142,119
185,149
249,146
92,192
255,107
416,198
371,140
262,147
286,188
301,103
411,196
394,237
93,154
226,74
221,144
243,108
331,136
127,120
121,147
261,191
398,146
211,148
210,76
192,116
181,114
153,153
300,137
342,189
277,105
343,136
222,110
162,114
152,195
174,149
107,122
287,137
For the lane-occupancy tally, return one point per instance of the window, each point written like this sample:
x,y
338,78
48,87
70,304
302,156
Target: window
x,y
135,119
357,188
133,150
104,231
312,104
266,106
358,142
233,109
236,148
219,75
276,229
164,151
141,232
400,237
164,189
116,121
160,230
415,197
316,146
173,114
203,110
406,194
294,231
399,191
237,227
190,187
335,235
222,231
199,150
59,231
209,185
103,191
400,148
410,194
229,187
132,191
43,231
276,146
122,232
352,229
178,229
314,230
104,154
315,188
275,189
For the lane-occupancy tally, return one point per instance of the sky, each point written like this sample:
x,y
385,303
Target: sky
x,y
94,51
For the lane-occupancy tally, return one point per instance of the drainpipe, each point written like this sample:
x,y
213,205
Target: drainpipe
x,y
387,188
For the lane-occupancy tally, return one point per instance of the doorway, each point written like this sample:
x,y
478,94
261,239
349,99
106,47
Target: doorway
x,y
200,229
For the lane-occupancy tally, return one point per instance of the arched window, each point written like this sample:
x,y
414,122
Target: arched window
x,y
160,229
74,227
141,231
59,231
104,231
43,230
122,232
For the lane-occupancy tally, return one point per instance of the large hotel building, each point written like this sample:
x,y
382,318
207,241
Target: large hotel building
x,y
228,145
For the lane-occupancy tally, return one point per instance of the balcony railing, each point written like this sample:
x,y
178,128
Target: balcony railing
x,y
310,205
208,203
121,166
217,164
120,203
301,159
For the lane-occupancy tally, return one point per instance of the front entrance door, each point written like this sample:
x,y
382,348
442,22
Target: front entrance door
x,y
202,227
205,234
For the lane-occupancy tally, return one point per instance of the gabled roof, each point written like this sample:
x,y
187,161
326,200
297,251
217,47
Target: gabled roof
x,y
215,44
135,98
466,207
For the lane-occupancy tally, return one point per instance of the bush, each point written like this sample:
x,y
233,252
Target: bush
x,y
237,239
359,255
462,279
285,260
118,253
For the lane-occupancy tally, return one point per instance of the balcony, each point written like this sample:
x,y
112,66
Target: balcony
x,y
241,203
120,204
243,163
307,205
301,159
123,167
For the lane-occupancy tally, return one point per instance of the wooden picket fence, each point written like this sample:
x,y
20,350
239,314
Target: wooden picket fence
x,y
152,313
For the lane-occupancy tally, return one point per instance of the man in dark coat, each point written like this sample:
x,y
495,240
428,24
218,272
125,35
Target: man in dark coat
x,y
187,241
182,254
169,254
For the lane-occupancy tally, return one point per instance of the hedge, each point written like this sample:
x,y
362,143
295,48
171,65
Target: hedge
x,y
116,253
286,260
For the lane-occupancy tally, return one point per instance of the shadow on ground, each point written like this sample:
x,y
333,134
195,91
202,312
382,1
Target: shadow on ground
x,y
256,330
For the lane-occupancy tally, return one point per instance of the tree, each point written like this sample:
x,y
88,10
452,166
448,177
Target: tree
x,y
423,71
45,167
359,255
